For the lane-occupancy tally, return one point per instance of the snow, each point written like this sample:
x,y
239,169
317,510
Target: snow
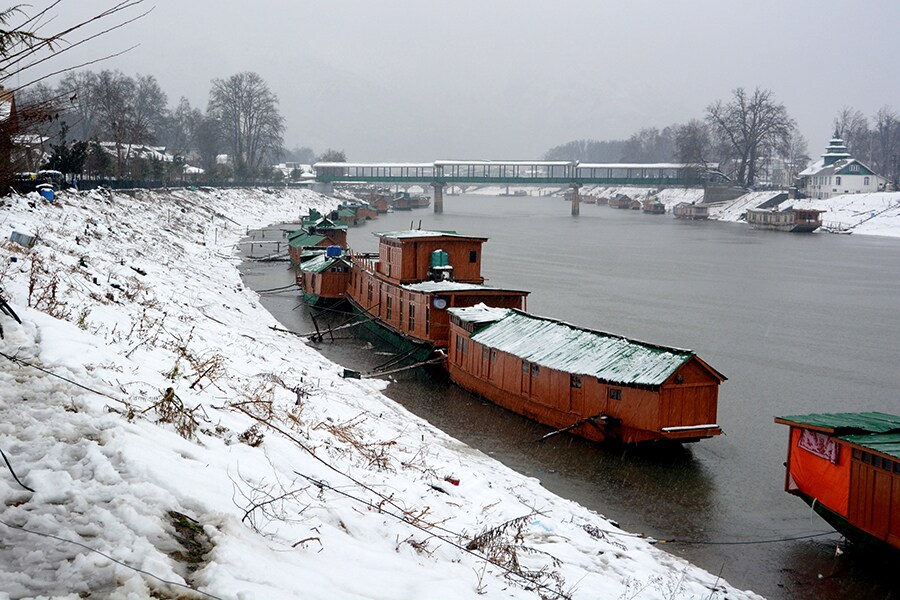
x,y
174,412
876,213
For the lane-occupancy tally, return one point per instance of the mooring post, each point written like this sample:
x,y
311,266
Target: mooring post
x,y
438,197
576,200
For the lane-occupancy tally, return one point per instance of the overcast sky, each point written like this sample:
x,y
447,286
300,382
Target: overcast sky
x,y
423,80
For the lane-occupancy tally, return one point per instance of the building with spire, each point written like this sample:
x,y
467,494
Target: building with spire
x,y
837,172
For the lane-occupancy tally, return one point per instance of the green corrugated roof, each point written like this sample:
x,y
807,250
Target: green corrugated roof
x,y
868,422
305,239
557,345
886,443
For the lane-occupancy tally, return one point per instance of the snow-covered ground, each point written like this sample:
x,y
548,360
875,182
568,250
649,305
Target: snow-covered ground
x,y
170,435
859,214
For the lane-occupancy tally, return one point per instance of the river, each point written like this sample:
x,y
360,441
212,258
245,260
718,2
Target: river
x,y
798,324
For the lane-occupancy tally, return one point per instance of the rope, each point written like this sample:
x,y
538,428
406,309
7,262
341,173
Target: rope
x,y
107,556
19,361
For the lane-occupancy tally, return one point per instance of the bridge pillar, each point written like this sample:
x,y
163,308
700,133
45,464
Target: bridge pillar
x,y
438,197
576,200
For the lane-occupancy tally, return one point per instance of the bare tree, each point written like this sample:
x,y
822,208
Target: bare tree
x,y
251,126
796,156
332,155
32,45
148,111
78,90
886,143
744,126
853,127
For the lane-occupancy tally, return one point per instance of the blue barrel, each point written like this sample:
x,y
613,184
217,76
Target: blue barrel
x,y
333,251
47,193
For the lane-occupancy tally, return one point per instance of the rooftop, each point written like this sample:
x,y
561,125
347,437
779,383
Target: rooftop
x,y
559,345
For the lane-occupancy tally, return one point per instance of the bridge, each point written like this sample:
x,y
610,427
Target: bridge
x,y
535,173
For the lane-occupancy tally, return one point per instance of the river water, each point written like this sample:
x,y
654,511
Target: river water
x,y
798,324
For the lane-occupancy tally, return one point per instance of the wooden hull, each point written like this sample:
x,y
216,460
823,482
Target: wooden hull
x,y
845,528
377,331
603,430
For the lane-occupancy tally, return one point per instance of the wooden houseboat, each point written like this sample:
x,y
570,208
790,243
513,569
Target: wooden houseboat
x,y
846,466
654,207
324,277
795,220
404,295
635,205
691,212
407,201
620,201
316,233
599,386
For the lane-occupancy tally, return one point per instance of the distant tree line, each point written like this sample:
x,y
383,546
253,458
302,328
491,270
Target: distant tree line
x,y
99,122
742,135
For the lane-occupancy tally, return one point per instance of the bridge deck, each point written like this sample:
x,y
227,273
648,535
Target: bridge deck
x,y
511,173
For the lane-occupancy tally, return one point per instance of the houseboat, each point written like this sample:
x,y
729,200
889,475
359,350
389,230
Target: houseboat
x,y
599,386
654,207
324,277
405,294
316,234
690,212
846,466
620,201
795,220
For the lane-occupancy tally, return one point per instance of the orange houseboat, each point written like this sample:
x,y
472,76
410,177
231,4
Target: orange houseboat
x,y
404,294
599,386
846,466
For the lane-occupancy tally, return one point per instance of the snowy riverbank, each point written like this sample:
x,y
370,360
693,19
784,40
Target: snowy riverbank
x,y
161,422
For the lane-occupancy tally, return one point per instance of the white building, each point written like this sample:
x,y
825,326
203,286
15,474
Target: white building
x,y
838,173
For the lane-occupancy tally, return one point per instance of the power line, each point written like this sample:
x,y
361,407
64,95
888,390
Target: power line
x,y
107,556
25,363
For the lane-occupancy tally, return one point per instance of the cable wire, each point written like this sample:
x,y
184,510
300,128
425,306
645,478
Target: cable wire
x,y
107,556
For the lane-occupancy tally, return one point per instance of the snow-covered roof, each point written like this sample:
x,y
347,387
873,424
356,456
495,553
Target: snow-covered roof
x,y
480,313
423,233
5,109
430,287
557,345
506,163
641,166
373,165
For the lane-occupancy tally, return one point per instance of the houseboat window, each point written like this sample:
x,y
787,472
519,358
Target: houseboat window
x,y
400,312
575,381
412,316
857,454
370,294
389,307
615,394
473,256
837,180
535,370
493,356
526,368
485,353
465,345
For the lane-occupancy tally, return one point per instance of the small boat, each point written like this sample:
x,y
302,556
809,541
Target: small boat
x,y
324,277
620,201
795,220
690,212
654,207
846,466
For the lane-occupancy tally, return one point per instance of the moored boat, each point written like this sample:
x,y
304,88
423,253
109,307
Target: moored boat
x,y
690,212
654,207
596,385
404,294
795,220
324,277
846,466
